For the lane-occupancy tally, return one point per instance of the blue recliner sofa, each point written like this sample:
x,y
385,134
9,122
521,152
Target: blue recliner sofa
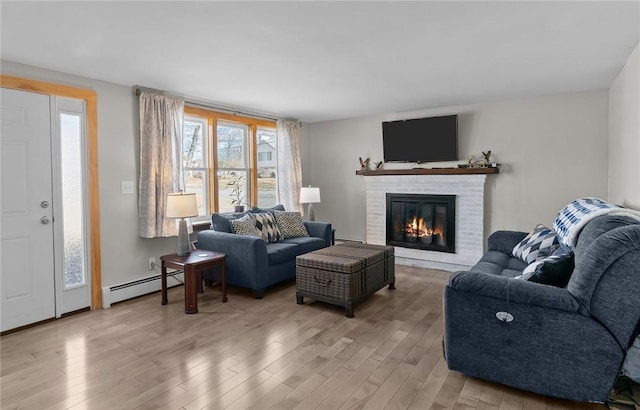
x,y
566,342
255,264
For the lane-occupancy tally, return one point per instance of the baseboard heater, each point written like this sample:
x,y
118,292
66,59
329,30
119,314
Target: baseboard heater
x,y
139,287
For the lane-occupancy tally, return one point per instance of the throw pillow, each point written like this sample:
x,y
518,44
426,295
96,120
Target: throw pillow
x,y
537,245
266,224
556,269
290,224
245,226
529,271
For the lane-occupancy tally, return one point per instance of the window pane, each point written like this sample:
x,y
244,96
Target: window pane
x,y
72,205
232,189
193,152
267,163
194,159
232,141
196,182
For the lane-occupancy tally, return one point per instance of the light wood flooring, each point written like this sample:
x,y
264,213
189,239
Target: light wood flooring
x,y
252,354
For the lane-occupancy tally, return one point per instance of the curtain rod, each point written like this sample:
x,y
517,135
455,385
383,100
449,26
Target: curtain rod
x,y
201,104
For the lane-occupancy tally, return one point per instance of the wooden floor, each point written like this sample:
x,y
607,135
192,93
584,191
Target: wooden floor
x,y
252,354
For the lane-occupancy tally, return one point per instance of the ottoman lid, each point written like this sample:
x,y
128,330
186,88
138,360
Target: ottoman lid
x,y
369,256
388,250
330,263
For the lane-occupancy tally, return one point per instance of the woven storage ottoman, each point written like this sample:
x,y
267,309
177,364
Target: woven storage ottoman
x,y
389,258
342,275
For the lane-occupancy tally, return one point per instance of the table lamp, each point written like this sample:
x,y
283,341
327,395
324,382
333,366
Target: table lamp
x,y
182,205
310,195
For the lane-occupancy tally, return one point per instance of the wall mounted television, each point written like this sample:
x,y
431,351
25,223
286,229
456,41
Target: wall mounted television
x,y
421,140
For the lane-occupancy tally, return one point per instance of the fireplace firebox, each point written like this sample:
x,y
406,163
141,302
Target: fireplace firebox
x,y
421,221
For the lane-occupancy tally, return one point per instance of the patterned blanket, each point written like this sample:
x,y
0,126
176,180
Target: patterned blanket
x,y
573,217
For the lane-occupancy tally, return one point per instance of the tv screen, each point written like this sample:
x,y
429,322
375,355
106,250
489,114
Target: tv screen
x,y
421,140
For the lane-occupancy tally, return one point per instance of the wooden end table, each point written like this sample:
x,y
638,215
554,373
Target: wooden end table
x,y
192,265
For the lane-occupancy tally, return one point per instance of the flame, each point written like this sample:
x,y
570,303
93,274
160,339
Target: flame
x,y
418,228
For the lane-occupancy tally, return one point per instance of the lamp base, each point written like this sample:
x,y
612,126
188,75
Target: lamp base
x,y
183,239
312,216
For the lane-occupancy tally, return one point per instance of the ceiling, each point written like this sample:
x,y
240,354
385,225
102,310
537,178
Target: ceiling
x,y
317,61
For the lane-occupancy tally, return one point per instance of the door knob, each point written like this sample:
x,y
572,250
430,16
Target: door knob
x,y
45,220
44,204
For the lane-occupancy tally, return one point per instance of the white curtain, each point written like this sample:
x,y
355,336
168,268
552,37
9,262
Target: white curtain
x,y
161,122
289,166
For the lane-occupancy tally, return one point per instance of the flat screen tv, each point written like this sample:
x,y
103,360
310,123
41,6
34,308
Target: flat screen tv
x,y
420,140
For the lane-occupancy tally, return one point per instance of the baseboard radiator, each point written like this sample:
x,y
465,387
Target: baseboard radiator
x,y
139,287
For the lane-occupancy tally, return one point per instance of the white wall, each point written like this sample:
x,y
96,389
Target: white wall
x,y
553,149
624,134
124,254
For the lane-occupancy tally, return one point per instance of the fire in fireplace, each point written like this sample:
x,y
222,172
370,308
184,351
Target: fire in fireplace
x,y
421,221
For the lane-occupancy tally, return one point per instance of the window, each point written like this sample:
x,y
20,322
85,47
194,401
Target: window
x,y
229,160
264,156
72,203
233,165
195,161
266,147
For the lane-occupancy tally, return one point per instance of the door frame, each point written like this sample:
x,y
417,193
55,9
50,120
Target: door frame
x,y
91,101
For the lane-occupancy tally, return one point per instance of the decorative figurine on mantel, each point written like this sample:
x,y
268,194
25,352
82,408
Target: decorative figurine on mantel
x,y
487,158
364,164
480,163
378,164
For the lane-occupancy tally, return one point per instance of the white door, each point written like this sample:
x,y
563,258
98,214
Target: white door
x,y
27,276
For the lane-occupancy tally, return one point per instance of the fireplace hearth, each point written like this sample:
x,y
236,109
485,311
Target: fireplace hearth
x,y
421,221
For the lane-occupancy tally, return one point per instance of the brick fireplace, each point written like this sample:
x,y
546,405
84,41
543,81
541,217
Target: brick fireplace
x,y
468,233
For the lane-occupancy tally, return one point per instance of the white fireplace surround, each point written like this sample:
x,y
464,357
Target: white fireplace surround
x,y
469,192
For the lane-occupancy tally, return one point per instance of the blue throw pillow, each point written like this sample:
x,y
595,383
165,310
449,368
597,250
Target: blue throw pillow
x,y
555,270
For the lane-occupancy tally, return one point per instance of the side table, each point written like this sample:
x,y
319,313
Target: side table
x,y
192,265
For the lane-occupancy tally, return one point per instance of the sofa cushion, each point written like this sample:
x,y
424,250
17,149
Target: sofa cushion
x,y
220,222
537,245
290,224
257,210
307,243
499,263
245,226
279,252
266,223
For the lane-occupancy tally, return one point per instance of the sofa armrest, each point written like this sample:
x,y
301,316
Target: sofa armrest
x,y
247,262
319,230
514,290
504,241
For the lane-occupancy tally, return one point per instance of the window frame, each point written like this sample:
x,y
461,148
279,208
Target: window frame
x,y
213,117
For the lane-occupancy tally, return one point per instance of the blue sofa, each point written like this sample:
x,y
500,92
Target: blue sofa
x,y
566,342
254,264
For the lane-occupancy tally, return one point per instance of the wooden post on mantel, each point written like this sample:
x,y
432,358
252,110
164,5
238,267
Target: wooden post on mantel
x,y
430,171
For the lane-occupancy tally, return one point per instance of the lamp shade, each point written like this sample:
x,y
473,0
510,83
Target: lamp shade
x,y
181,205
309,195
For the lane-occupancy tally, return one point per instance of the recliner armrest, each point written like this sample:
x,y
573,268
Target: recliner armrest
x,y
515,290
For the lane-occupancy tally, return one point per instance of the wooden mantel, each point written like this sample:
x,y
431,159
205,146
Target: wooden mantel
x,y
429,171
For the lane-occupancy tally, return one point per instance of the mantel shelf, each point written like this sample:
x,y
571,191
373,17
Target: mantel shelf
x,y
429,171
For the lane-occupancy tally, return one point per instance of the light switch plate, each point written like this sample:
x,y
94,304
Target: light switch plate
x,y
127,187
